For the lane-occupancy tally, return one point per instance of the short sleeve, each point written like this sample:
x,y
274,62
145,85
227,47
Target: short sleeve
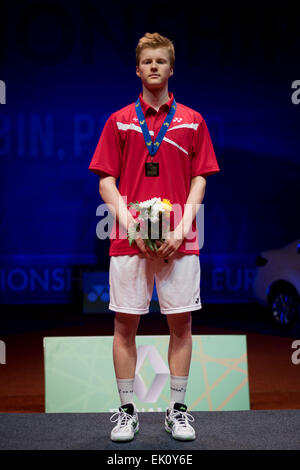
x,y
204,160
107,156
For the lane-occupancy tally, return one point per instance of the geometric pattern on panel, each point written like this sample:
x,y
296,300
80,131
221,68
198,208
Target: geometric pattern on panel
x,y
221,363
79,374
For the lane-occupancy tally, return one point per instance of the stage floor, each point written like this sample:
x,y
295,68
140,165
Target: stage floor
x,y
219,430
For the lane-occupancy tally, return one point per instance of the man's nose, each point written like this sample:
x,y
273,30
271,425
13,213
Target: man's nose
x,y
153,65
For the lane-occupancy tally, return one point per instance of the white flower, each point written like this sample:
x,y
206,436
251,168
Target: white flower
x,y
150,209
149,202
155,209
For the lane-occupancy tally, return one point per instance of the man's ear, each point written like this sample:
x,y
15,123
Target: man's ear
x,y
171,71
137,71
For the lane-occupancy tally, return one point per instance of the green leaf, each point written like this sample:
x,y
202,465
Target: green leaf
x,y
155,246
135,205
149,243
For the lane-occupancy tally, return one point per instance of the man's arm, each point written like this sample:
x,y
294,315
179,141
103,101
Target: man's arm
x,y
110,194
192,205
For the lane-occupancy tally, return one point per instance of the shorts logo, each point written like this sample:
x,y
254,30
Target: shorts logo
x,y
197,300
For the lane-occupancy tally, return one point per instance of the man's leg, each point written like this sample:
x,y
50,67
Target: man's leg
x,y
180,353
124,356
124,353
131,280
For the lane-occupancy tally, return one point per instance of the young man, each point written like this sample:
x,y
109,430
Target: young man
x,y
176,171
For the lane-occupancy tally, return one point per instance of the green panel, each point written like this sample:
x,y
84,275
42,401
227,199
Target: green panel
x,y
79,374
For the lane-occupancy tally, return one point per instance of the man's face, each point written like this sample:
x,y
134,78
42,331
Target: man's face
x,y
154,68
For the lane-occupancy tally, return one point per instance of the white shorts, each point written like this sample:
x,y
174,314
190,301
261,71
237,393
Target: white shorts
x,y
131,281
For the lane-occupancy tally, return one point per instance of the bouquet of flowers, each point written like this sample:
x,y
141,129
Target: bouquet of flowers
x,y
152,223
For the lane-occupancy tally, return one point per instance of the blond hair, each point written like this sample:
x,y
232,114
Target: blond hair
x,y
155,40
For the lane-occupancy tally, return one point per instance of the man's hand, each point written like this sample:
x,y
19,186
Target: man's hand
x,y
169,246
140,243
144,248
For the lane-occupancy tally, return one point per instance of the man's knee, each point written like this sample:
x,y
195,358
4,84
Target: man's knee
x,y
180,325
125,326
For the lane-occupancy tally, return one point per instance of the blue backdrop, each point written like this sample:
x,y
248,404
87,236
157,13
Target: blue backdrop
x,y
67,66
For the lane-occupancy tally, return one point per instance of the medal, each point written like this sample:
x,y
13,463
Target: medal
x,y
152,168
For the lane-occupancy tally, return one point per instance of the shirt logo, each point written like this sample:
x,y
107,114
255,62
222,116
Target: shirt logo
x,y
177,119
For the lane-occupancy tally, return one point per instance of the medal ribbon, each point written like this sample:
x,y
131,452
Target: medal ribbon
x,y
154,146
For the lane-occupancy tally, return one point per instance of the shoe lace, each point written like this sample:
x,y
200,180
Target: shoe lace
x,y
182,418
121,417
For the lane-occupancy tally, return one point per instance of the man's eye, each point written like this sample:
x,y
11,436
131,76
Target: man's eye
x,y
150,61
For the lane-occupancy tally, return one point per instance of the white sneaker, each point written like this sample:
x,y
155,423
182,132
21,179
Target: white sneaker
x,y
127,423
177,423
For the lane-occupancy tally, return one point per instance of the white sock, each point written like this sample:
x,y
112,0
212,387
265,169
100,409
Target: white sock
x,y
125,389
178,385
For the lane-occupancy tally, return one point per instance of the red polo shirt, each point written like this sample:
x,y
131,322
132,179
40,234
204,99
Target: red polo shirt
x,y
186,151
